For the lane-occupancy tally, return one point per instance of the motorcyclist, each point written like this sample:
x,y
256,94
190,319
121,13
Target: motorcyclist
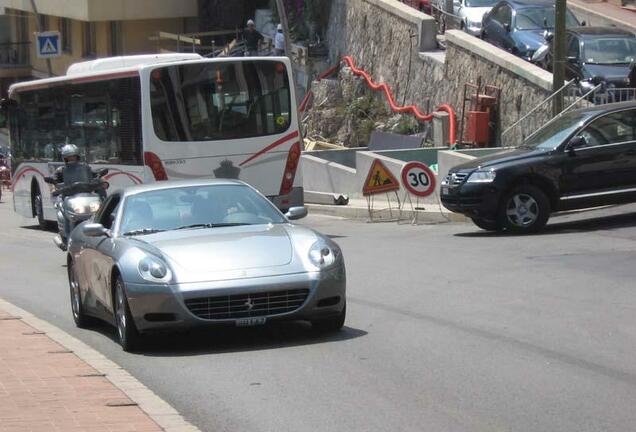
x,y
73,171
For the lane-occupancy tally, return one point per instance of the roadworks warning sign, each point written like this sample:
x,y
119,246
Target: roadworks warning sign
x,y
379,180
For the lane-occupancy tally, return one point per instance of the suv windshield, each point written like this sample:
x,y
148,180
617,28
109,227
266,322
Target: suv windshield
x,y
195,207
609,50
552,134
539,18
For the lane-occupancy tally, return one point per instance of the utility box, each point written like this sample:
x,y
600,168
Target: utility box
x,y
478,130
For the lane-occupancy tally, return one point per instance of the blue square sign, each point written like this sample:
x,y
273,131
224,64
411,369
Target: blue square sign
x,y
48,44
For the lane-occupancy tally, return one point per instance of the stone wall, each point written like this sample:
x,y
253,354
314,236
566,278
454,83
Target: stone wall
x,y
378,35
382,36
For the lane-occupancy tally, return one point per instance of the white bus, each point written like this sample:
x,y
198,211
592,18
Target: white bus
x,y
159,117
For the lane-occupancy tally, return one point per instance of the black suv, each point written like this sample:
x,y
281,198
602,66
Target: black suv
x,y
584,158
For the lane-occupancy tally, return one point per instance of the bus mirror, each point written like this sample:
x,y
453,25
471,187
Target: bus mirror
x,y
5,104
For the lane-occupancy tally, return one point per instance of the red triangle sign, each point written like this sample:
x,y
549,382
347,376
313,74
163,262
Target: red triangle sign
x,y
379,180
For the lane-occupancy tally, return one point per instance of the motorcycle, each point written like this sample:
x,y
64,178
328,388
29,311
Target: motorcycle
x,y
76,203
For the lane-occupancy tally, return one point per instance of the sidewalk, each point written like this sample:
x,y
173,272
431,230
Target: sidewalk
x,y
602,10
45,387
358,209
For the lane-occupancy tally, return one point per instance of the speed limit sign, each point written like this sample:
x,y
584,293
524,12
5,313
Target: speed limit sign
x,y
418,179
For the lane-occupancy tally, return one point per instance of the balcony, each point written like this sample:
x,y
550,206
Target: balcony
x,y
15,60
112,10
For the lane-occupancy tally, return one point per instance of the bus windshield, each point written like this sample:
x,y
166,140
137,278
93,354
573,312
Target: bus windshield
x,y
101,118
220,101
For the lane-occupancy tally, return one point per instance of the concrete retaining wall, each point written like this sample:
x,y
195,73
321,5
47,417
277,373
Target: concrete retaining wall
x,y
320,175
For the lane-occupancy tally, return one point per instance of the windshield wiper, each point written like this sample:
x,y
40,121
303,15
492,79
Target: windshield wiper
x,y
210,225
143,231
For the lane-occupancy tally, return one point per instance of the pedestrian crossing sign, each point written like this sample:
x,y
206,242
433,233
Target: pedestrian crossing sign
x,y
379,180
48,44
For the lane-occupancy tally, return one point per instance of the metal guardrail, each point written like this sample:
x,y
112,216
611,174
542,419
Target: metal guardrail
x,y
598,95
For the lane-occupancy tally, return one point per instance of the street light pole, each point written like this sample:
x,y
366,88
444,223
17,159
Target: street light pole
x,y
38,26
558,63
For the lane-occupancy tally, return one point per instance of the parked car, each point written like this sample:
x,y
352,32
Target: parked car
x,y
603,52
201,252
520,26
471,14
585,158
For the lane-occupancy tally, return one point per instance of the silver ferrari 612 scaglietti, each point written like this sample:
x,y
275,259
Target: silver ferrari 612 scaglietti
x,y
200,252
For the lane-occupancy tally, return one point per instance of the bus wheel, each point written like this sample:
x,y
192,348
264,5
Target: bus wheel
x,y
39,210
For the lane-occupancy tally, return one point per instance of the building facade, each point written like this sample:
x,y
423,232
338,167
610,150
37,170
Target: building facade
x,y
88,28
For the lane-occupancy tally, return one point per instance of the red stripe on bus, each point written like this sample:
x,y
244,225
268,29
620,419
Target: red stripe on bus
x,y
134,178
22,172
270,147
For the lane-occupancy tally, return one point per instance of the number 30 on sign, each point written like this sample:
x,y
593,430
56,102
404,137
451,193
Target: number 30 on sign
x,y
418,179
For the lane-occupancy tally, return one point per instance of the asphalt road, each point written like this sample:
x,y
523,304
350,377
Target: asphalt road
x,y
449,329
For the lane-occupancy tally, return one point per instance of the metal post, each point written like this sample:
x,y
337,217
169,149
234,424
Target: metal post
x,y
39,29
558,64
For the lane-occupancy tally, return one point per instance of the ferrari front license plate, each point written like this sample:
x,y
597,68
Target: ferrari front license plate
x,y
249,322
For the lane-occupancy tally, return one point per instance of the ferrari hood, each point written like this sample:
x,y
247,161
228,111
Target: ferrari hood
x,y
213,250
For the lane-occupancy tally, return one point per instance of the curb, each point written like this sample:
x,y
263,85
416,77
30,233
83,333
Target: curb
x,y
156,408
362,214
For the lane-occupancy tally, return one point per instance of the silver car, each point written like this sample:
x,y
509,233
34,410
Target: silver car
x,y
201,252
470,13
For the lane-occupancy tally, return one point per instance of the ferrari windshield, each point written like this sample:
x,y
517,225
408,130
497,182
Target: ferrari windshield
x,y
554,133
195,207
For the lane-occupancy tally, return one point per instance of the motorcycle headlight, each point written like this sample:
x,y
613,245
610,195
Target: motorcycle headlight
x,y
482,177
153,269
323,255
83,205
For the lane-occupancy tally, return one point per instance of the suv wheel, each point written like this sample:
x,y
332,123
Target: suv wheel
x,y
526,209
487,225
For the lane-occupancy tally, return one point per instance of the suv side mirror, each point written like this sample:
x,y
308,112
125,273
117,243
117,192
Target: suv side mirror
x,y
95,230
576,142
295,213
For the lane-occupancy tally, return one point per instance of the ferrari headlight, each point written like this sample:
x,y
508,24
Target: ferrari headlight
x,y
482,177
323,255
154,270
